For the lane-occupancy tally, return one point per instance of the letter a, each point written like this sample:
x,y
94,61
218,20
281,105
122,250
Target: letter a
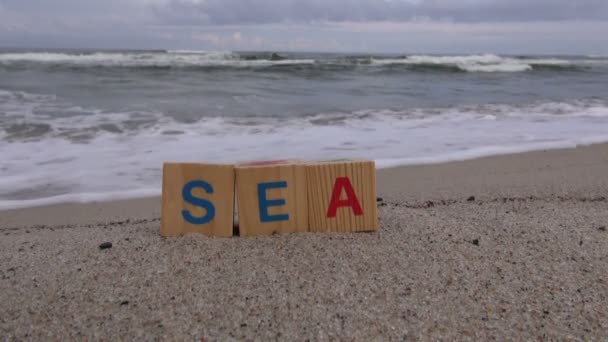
x,y
343,183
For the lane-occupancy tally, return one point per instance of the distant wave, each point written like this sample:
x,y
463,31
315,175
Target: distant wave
x,y
183,59
207,60
480,63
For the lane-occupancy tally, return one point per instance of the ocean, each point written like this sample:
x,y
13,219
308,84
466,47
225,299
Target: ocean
x,y
97,125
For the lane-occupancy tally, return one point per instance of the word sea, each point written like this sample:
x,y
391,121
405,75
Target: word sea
x,y
271,197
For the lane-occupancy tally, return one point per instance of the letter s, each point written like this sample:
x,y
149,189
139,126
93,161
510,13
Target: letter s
x,y
199,202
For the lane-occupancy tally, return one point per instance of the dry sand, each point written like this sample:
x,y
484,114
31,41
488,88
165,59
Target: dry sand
x,y
526,258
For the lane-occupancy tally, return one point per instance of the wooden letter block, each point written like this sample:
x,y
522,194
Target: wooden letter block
x,y
342,196
197,198
271,198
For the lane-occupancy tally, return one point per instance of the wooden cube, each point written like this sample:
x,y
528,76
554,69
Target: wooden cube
x,y
342,196
197,198
272,198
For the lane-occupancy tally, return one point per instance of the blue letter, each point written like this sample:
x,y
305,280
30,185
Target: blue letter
x,y
265,202
199,202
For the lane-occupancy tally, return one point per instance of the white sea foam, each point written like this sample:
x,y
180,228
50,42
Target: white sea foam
x,y
194,58
506,67
476,63
79,198
57,166
148,59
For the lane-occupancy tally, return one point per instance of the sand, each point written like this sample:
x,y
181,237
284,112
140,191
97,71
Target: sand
x,y
526,258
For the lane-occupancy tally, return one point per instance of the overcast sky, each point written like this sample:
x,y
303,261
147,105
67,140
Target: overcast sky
x,y
433,26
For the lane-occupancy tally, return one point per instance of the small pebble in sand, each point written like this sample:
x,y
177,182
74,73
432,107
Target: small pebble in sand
x,y
602,228
105,245
379,199
476,242
471,199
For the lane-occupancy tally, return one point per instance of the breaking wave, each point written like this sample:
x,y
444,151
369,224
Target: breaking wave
x,y
193,59
89,154
176,59
481,63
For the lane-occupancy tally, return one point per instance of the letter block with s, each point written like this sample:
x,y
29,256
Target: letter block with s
x,y
271,198
197,198
342,196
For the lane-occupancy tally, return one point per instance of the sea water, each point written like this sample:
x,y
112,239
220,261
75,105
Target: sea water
x,y
93,125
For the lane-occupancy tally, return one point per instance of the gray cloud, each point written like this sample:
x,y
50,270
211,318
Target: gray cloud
x,y
227,12
507,26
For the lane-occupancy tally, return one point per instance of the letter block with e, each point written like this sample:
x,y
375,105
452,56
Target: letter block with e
x,y
271,198
197,198
342,196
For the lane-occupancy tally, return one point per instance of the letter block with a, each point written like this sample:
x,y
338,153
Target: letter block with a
x,y
271,198
197,198
342,196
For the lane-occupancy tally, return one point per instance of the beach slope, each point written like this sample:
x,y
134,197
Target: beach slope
x,y
506,247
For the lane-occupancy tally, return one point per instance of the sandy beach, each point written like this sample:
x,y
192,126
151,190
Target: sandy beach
x,y
506,247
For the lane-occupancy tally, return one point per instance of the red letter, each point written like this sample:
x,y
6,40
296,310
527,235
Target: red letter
x,y
350,201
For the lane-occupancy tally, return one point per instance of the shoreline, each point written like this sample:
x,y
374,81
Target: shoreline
x,y
143,194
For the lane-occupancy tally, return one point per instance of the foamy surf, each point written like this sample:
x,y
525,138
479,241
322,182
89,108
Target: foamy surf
x,y
478,63
95,163
176,59
79,198
487,63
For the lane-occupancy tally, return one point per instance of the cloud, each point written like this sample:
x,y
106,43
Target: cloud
x,y
513,26
229,12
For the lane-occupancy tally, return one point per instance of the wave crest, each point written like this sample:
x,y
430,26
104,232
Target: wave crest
x,y
208,60
177,59
478,63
